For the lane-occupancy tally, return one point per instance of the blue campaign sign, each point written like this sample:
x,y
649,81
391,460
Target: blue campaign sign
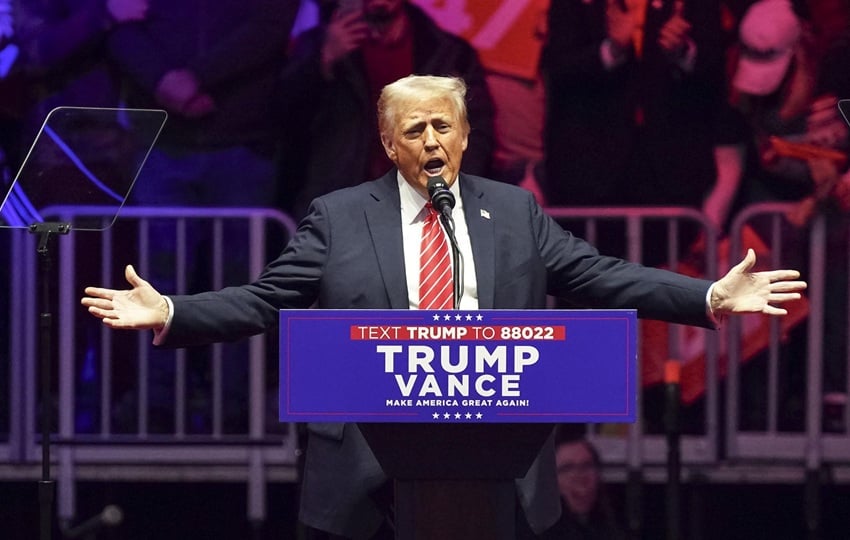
x,y
458,366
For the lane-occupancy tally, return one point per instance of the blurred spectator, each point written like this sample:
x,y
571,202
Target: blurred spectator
x,y
732,133
60,58
214,66
331,86
789,75
520,100
518,124
586,511
633,87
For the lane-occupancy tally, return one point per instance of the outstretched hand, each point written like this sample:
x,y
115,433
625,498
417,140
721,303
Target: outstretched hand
x,y
139,308
744,291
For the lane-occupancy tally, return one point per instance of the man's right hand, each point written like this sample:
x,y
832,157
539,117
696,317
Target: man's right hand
x,y
345,33
139,308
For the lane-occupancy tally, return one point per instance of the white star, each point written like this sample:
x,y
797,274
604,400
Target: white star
x,y
468,317
436,316
447,416
468,416
447,317
479,416
457,416
457,317
479,317
436,416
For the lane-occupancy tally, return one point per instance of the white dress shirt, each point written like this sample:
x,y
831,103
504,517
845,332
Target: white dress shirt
x,y
412,220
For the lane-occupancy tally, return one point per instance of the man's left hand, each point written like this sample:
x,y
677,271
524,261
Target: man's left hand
x,y
744,291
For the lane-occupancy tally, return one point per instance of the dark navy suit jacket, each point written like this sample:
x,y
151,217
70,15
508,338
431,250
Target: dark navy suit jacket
x,y
348,254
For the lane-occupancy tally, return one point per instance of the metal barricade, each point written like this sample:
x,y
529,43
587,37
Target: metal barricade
x,y
94,441
792,434
640,449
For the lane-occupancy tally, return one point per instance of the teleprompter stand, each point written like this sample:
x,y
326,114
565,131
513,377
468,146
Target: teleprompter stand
x,y
46,486
82,157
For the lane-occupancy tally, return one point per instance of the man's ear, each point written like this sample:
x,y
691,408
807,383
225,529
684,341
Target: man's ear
x,y
389,147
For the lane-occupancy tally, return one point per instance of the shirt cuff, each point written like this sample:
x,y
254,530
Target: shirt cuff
x,y
717,321
160,335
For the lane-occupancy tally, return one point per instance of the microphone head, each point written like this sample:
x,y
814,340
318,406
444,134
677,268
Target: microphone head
x,y
436,183
439,193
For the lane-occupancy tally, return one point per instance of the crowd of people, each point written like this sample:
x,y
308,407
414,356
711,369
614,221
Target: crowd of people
x,y
637,102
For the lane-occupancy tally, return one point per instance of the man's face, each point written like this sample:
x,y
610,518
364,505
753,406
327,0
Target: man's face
x,y
427,139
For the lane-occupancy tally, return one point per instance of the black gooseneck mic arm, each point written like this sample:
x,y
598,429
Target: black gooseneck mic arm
x,y
443,201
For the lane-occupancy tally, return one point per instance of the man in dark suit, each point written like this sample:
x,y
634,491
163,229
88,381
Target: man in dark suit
x,y
633,88
359,248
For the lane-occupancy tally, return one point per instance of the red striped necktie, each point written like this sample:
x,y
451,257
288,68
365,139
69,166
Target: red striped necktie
x,y
436,289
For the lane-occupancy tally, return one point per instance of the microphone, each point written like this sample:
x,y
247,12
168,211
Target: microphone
x,y
110,516
442,199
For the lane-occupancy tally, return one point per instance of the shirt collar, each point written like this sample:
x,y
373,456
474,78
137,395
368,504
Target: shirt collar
x,y
412,202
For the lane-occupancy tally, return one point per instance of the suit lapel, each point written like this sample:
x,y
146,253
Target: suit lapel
x,y
383,215
481,235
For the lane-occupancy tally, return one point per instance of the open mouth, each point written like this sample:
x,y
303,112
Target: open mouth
x,y
434,166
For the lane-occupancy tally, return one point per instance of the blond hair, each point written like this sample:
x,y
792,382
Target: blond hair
x,y
418,88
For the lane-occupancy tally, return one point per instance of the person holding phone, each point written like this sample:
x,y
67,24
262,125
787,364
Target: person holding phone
x,y
332,82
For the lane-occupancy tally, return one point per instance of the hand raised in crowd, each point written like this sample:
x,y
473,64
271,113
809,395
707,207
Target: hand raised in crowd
x,y
824,124
127,10
345,33
674,35
179,92
622,23
743,291
139,308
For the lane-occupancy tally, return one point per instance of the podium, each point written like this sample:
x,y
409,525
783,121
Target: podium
x,y
456,406
453,480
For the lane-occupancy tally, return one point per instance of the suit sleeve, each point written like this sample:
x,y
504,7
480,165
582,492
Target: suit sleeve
x,y
291,281
579,274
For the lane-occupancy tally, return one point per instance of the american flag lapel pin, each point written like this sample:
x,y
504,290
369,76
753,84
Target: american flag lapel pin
x,y
485,214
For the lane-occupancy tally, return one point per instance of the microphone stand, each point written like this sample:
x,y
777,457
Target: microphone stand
x,y
45,232
457,280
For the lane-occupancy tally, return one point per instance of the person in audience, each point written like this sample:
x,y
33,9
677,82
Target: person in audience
x,y
214,67
332,82
586,511
56,54
632,89
520,100
790,72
